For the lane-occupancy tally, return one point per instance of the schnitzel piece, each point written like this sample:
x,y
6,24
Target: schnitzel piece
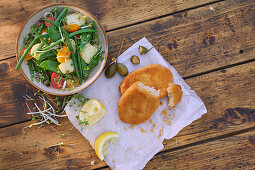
x,y
154,75
138,103
174,95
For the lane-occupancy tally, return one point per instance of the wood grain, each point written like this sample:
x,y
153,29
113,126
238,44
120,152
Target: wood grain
x,y
112,14
229,98
230,109
13,89
234,152
197,40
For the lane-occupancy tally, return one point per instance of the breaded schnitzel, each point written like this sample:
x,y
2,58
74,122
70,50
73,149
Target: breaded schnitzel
x,y
174,95
138,103
154,75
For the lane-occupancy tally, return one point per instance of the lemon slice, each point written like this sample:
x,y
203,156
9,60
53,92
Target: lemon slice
x,y
102,142
92,111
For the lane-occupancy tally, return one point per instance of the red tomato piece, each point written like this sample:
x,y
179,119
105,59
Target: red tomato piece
x,y
78,36
47,23
57,80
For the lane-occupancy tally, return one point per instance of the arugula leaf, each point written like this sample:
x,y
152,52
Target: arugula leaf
x,y
85,38
54,34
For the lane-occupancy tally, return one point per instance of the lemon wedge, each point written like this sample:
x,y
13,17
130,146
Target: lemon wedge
x,y
102,142
92,111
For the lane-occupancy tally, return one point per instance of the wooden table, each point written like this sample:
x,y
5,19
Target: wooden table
x,y
211,43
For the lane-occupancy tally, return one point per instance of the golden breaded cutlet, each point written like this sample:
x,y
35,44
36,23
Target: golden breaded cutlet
x,y
174,95
154,75
138,103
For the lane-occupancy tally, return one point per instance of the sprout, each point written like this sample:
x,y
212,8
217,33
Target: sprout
x,y
46,114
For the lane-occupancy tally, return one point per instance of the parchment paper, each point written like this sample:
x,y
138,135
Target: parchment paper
x,y
136,145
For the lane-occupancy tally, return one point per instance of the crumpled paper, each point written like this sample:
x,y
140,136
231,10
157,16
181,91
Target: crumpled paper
x,y
137,144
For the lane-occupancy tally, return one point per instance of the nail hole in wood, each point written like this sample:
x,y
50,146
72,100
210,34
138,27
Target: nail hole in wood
x,y
241,52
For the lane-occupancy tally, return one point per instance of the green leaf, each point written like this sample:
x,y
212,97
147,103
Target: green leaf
x,y
50,66
54,34
85,37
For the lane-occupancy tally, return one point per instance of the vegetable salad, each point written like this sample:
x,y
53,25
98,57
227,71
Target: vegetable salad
x,y
61,49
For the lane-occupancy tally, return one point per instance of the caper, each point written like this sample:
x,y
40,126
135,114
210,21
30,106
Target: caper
x,y
122,69
135,59
143,50
110,70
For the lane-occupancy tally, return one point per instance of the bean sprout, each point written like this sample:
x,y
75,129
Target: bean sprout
x,y
48,13
47,113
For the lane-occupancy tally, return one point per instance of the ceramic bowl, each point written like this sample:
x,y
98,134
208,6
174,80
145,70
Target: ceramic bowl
x,y
95,72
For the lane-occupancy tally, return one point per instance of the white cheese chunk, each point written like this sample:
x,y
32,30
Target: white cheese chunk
x,y
88,52
66,67
76,18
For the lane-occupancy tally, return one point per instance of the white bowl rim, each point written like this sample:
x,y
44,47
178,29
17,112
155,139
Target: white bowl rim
x,y
93,78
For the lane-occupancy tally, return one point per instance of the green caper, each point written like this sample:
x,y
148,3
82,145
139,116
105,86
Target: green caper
x,y
143,50
122,69
135,59
110,70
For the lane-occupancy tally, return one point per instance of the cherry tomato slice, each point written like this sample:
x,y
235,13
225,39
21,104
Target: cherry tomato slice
x,y
57,80
72,83
47,23
63,54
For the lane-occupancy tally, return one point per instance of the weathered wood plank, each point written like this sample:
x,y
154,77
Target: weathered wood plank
x,y
198,40
219,98
112,14
18,148
189,56
234,152
13,89
229,98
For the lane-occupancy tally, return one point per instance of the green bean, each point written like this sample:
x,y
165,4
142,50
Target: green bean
x,y
46,54
52,45
41,27
81,31
36,68
31,69
72,54
26,52
40,46
78,55
93,34
55,11
43,36
61,15
36,33
53,23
